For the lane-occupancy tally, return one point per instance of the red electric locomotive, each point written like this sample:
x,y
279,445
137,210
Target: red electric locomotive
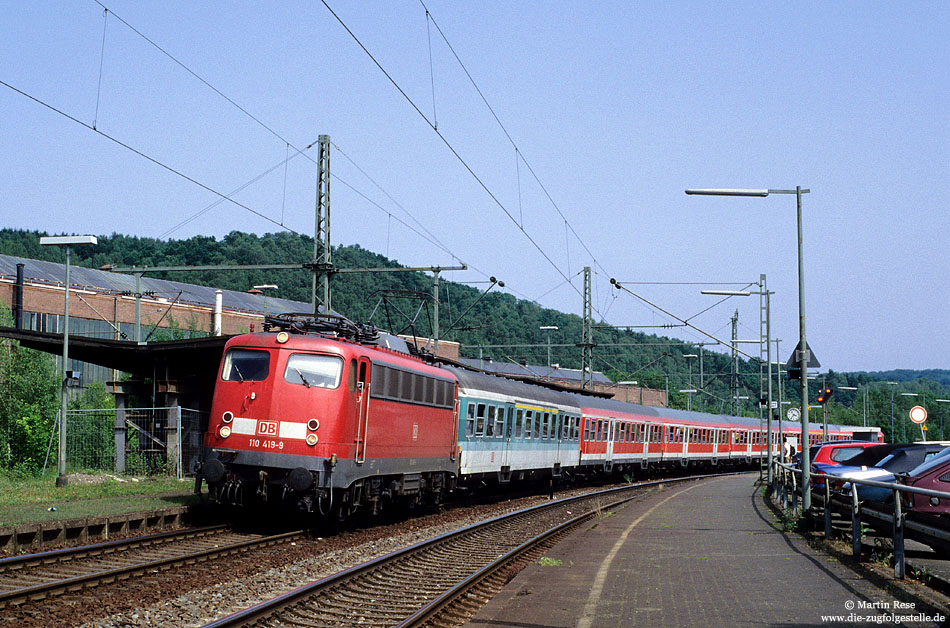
x,y
321,413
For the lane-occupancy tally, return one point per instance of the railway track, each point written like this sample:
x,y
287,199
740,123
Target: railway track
x,y
37,576
439,581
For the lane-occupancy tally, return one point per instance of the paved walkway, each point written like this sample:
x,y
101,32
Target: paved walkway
x,y
705,554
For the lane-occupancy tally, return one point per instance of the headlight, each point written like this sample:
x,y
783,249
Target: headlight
x,y
313,424
283,337
312,439
227,417
225,431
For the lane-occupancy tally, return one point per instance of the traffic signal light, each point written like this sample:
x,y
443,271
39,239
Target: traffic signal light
x,y
824,394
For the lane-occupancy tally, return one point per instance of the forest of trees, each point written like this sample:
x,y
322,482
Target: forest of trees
x,y
496,319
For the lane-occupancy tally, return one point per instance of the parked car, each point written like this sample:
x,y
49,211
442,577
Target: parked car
x,y
882,464
934,475
833,453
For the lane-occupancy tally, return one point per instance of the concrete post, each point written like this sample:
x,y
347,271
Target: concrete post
x,y
173,434
121,402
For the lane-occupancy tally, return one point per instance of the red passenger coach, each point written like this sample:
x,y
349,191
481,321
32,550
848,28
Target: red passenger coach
x,y
319,420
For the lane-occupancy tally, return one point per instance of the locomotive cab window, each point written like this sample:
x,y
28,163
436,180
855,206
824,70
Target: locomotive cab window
x,y
245,365
314,371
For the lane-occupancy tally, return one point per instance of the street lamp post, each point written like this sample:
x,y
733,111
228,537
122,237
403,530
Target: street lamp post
x,y
549,329
892,384
689,365
804,356
626,390
67,242
941,415
855,389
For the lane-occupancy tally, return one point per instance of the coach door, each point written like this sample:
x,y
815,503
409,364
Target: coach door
x,y
362,408
504,420
611,435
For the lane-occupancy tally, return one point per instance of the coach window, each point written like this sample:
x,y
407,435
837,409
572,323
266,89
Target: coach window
x,y
537,424
490,423
480,419
245,365
519,421
311,370
508,422
528,422
500,422
470,420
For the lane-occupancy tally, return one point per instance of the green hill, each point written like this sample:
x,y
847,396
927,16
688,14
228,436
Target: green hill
x,y
496,319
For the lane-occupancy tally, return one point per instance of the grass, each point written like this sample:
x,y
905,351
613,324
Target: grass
x,y
35,499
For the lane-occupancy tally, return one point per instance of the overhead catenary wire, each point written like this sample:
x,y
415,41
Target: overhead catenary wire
x,y
432,239
447,143
508,135
144,155
269,129
194,74
240,188
102,55
671,315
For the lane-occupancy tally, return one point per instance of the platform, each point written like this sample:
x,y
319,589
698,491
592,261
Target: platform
x,y
709,553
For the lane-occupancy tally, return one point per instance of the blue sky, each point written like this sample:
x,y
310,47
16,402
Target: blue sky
x,y
617,107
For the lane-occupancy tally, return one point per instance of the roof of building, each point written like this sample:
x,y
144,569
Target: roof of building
x,y
53,274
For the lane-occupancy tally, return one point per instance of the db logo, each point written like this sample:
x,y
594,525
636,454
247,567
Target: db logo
x,y
267,428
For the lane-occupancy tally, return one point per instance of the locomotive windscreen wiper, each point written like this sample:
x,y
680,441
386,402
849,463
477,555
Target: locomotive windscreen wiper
x,y
302,378
238,371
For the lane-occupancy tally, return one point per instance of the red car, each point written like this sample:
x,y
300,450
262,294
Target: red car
x,y
839,452
933,475
834,453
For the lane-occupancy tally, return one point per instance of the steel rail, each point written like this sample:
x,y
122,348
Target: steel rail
x,y
273,607
445,601
23,561
76,583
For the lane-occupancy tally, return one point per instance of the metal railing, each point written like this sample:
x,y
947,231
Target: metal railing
x,y
787,482
140,441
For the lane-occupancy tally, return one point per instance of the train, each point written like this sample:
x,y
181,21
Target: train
x,y
333,417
